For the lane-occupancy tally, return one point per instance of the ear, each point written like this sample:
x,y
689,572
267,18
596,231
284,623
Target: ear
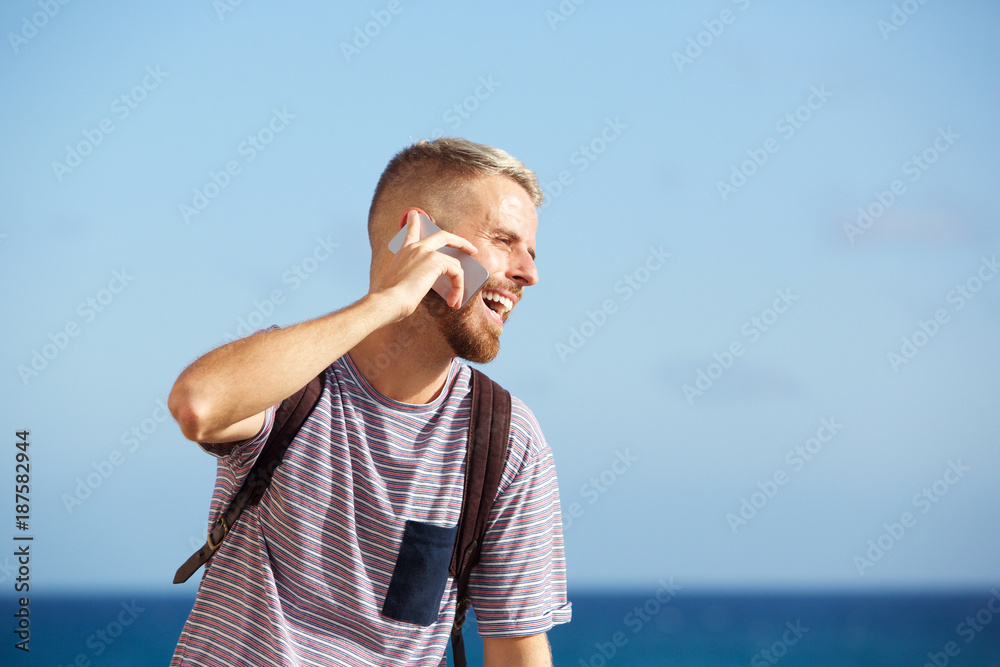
x,y
406,213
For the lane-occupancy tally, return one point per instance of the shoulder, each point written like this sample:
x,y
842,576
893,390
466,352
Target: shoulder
x,y
528,453
525,431
526,435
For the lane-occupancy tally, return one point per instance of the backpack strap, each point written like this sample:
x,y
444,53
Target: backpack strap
x,y
288,419
486,455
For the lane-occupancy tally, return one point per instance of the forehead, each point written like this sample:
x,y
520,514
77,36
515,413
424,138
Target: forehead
x,y
500,203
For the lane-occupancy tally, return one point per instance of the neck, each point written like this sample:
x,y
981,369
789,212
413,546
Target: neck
x,y
407,361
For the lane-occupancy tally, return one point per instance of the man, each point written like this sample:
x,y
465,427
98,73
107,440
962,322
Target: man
x,y
303,577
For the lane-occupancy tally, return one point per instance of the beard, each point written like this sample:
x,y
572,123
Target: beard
x,y
468,339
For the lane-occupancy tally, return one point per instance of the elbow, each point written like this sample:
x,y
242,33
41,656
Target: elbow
x,y
187,411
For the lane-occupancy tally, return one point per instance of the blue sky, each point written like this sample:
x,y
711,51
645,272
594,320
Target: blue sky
x,y
704,165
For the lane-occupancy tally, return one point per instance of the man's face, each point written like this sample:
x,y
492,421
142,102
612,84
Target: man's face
x,y
501,222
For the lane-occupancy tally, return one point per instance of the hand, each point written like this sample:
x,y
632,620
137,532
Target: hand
x,y
418,264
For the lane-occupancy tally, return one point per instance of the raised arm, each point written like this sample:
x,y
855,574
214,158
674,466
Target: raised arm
x,y
222,396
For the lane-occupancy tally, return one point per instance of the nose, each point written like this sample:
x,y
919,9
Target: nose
x,y
522,268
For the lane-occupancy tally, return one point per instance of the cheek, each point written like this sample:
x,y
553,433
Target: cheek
x,y
490,260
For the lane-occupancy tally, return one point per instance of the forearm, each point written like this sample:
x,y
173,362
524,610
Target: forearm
x,y
530,651
242,379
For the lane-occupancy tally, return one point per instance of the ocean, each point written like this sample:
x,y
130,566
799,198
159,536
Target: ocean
x,y
655,627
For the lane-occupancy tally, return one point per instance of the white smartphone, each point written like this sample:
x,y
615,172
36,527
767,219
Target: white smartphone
x,y
475,273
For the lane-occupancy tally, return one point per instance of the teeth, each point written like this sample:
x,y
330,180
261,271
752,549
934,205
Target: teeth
x,y
502,300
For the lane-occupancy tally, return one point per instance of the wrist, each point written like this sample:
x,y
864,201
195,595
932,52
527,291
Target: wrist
x,y
381,309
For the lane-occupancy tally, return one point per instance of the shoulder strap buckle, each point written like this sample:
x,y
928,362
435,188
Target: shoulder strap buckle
x,y
214,546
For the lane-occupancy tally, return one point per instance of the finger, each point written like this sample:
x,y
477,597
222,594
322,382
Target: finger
x,y
412,227
442,238
456,276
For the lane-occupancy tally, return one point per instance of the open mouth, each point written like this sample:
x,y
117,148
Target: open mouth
x,y
498,305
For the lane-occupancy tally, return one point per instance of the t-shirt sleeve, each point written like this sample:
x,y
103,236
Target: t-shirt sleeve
x,y
518,588
234,462
242,454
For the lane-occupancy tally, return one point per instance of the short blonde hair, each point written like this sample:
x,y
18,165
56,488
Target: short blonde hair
x,y
446,164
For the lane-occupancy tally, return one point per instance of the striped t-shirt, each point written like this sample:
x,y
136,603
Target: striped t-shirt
x,y
303,577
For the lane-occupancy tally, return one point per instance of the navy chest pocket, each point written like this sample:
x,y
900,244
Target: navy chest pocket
x,y
421,573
